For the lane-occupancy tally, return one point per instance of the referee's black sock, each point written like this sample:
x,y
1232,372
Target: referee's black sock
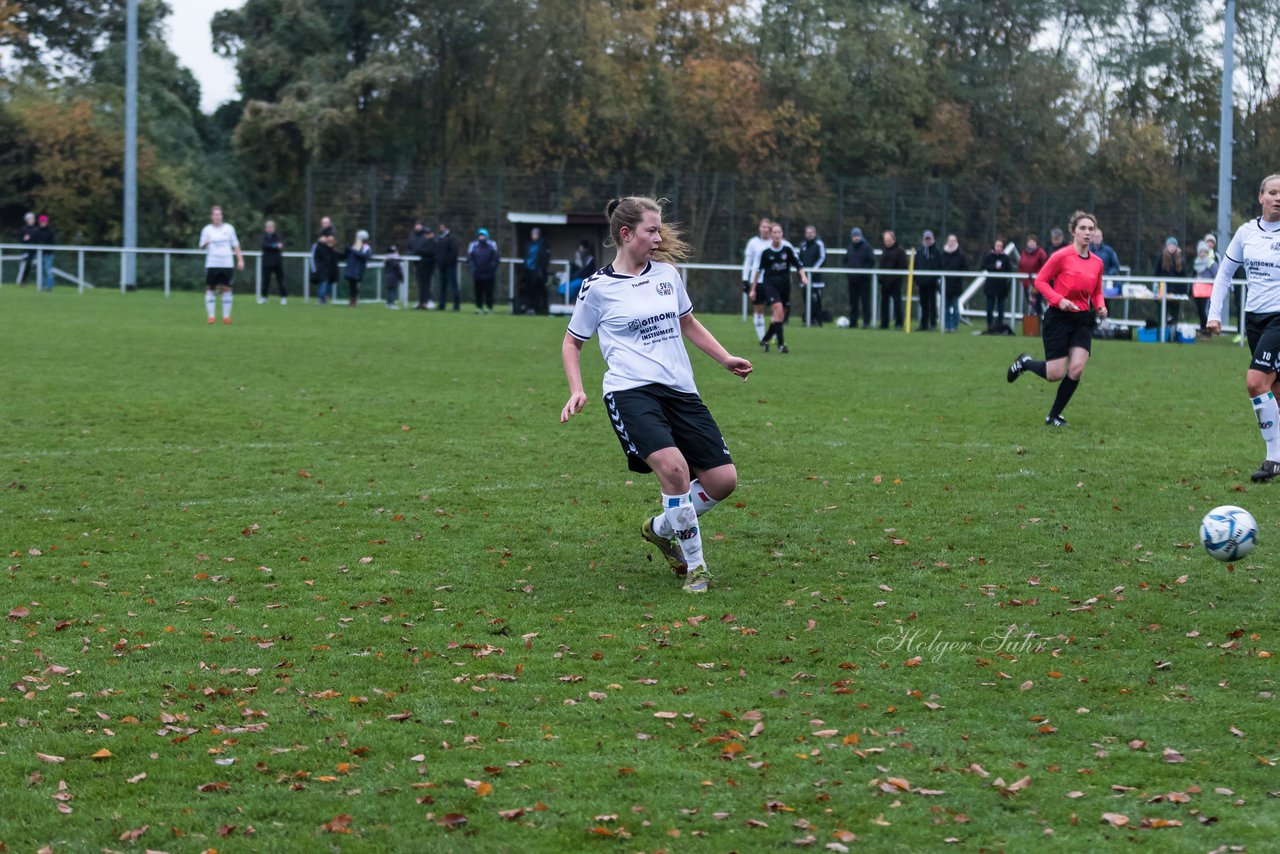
x,y
1066,388
777,327
1036,366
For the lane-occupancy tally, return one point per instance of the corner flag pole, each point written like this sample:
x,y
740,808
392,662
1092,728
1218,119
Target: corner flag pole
x,y
911,273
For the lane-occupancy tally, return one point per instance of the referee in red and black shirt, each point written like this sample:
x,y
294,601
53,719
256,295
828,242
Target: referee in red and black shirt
x,y
1071,282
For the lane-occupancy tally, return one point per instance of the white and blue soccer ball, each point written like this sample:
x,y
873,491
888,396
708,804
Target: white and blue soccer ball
x,y
842,322
1229,532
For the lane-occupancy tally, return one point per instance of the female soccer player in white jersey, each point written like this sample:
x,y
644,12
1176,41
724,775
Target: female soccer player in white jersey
x,y
1256,247
221,246
751,260
639,307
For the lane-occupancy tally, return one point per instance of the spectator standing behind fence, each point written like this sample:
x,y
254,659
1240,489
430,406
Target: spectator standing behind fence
x,y
45,237
582,265
1206,267
533,286
26,236
1110,260
859,256
324,264
272,262
1171,264
222,248
996,288
392,276
447,264
1029,263
1056,241
482,261
423,244
952,261
928,260
750,260
358,255
813,253
892,257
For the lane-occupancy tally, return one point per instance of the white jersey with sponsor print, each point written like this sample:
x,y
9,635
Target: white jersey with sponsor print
x,y
751,255
1256,247
219,242
638,319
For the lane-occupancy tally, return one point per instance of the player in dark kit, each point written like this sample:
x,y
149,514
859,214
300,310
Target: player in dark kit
x,y
771,284
1071,282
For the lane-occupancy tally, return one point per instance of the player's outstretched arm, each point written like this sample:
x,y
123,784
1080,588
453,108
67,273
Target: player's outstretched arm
x,y
707,343
571,356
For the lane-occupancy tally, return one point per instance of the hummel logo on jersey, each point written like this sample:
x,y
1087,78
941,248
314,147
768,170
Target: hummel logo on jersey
x,y
665,289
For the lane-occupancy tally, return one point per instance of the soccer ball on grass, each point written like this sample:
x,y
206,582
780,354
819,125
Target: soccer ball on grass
x,y
842,322
1228,532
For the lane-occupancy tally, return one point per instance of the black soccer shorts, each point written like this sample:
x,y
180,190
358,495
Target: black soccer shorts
x,y
653,417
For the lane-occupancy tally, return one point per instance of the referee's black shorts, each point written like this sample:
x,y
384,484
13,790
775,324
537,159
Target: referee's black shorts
x,y
653,417
1263,334
1063,330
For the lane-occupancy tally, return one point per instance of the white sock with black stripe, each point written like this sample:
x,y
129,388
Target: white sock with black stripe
x,y
683,519
702,502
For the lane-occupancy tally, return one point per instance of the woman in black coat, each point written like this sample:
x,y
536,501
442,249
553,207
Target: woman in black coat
x,y
952,261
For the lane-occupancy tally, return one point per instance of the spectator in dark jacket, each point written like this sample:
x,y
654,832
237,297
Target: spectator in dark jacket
x,y
952,261
357,261
423,244
928,260
44,236
392,276
533,289
272,262
27,238
1171,264
813,254
859,256
1029,263
447,263
893,260
1110,260
582,264
996,288
482,261
324,264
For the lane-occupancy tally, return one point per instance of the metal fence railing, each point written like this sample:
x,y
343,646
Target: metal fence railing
x,y
713,288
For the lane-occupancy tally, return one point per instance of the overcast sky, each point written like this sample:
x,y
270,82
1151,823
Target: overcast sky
x,y
190,40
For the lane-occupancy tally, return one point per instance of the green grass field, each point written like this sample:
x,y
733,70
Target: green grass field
x,y
339,579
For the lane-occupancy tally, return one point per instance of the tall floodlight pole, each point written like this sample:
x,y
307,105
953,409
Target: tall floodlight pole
x,y
1225,127
129,268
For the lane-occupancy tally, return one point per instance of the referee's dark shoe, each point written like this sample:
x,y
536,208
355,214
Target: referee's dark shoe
x,y
1059,421
1019,365
1268,470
